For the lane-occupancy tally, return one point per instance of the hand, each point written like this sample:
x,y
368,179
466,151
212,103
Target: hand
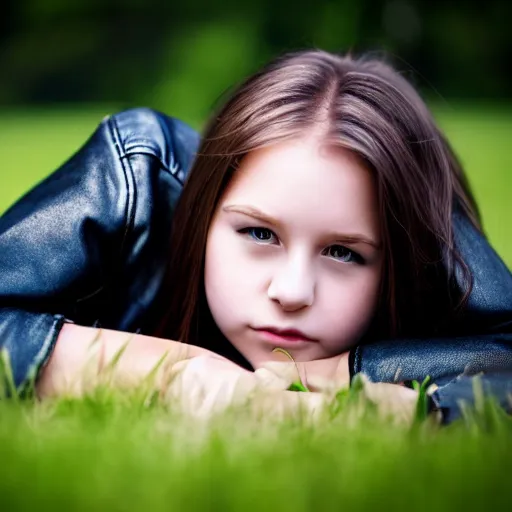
x,y
393,401
325,375
206,385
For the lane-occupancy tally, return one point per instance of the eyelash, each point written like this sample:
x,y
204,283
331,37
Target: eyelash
x,y
355,257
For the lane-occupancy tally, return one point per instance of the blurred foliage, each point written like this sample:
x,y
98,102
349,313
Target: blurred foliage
x,y
180,56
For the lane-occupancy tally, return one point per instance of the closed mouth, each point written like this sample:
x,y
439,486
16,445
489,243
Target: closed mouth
x,y
287,334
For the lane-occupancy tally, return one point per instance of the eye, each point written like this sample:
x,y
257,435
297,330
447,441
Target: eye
x,y
341,253
261,235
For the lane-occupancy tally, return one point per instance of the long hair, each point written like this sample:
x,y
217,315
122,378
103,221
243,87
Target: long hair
x,y
362,105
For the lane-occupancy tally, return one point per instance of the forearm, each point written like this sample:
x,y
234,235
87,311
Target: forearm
x,y
83,354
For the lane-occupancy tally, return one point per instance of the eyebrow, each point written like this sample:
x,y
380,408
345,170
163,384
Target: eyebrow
x,y
251,211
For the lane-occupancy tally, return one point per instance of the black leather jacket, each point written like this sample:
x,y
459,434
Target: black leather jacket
x,y
88,244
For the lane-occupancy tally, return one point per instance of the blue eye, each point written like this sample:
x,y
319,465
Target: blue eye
x,y
341,253
262,235
337,252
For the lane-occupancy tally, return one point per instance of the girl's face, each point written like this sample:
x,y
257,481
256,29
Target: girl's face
x,y
295,245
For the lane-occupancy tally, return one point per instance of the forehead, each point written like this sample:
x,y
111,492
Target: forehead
x,y
305,183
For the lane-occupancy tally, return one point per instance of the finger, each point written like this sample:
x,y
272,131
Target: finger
x,y
287,371
392,400
268,379
204,386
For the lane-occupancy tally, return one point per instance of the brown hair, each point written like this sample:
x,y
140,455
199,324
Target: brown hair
x,y
363,105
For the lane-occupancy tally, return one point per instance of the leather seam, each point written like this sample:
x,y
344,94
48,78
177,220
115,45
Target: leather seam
x,y
43,354
163,165
354,361
129,181
173,165
140,148
136,149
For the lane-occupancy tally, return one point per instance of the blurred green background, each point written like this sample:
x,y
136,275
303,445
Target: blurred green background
x,y
64,65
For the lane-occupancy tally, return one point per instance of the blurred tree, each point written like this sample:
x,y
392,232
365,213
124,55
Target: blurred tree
x,y
172,54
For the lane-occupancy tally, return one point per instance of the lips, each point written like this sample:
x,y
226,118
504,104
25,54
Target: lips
x,y
285,334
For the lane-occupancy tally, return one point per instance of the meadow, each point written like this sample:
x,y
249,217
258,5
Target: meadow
x,y
113,451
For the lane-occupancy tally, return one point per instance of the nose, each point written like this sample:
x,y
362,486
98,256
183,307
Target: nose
x,y
293,286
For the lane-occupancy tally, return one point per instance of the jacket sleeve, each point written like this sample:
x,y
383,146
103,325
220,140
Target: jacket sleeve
x,y
57,245
472,392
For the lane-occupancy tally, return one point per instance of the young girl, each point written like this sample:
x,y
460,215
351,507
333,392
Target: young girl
x,y
324,213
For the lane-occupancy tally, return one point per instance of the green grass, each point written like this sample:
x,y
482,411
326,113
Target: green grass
x,y
112,451
481,138
35,142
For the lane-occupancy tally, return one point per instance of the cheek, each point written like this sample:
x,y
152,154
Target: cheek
x,y
348,310
226,277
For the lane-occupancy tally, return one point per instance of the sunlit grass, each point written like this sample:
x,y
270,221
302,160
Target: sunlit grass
x,y
114,451
35,142
481,137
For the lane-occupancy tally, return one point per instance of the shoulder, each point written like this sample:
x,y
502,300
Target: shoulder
x,y
154,155
146,131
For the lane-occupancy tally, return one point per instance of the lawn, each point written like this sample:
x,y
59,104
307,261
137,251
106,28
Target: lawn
x,y
118,452
113,452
